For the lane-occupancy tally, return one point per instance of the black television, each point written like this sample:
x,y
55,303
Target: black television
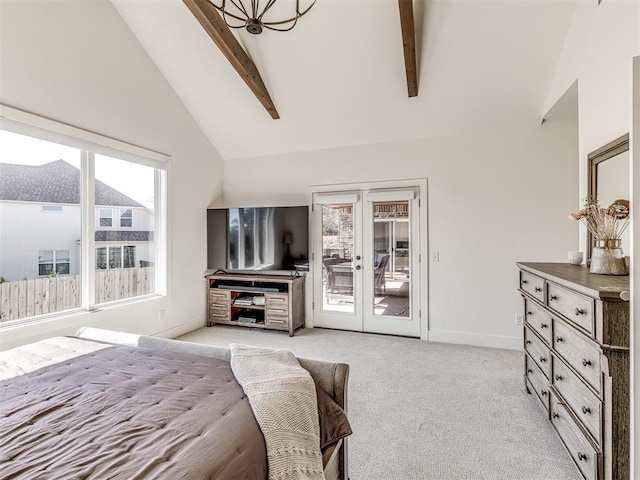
x,y
258,238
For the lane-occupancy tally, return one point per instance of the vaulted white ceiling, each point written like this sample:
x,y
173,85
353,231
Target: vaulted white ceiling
x,y
338,79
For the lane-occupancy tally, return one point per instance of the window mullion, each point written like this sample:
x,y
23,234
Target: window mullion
x,y
87,201
159,224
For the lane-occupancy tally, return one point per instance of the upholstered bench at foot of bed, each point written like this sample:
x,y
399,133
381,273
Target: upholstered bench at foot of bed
x,y
332,377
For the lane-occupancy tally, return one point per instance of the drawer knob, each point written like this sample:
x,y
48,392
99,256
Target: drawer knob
x,y
579,311
586,410
556,415
543,392
538,289
585,362
582,456
558,378
559,339
544,325
529,313
529,370
524,281
542,359
528,342
553,297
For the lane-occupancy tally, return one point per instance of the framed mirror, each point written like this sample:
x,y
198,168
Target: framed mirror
x,y
609,179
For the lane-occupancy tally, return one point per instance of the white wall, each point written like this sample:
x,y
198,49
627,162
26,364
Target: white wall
x,y
598,49
598,52
78,63
496,196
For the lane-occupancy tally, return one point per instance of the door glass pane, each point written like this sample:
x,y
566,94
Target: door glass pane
x,y
40,229
337,254
124,270
391,265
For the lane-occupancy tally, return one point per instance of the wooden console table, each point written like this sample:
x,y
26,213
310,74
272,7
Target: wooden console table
x,y
260,301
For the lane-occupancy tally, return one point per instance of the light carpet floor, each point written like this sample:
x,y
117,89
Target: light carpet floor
x,y
427,411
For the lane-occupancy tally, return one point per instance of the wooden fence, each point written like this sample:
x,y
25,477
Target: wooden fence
x,y
39,296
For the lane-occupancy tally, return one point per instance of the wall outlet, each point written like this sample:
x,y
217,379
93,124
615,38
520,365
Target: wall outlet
x,y
162,314
519,318
435,257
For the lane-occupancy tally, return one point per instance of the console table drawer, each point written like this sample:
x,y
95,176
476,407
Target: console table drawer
x,y
575,307
277,303
578,352
538,319
277,320
584,454
537,381
219,297
219,314
585,405
538,351
532,284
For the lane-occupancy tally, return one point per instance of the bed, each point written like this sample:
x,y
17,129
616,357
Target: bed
x,y
106,404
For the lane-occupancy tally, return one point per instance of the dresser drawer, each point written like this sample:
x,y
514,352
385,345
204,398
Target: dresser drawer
x,y
538,319
586,406
578,351
538,351
584,454
532,284
537,382
575,307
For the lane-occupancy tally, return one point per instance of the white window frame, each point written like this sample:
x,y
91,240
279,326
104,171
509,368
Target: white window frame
x,y
90,143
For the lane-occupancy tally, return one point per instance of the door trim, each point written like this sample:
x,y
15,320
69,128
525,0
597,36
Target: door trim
x,y
422,185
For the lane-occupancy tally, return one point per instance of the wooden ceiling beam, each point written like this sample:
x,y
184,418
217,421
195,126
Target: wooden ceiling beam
x,y
219,32
409,45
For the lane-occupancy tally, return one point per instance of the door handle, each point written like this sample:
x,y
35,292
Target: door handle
x,y
358,267
358,257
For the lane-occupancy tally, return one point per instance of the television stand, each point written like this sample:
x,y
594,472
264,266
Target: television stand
x,y
272,302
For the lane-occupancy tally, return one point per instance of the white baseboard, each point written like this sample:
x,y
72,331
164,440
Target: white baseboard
x,y
181,329
476,339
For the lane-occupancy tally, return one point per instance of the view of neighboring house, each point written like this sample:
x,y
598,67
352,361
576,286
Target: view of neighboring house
x,y
41,235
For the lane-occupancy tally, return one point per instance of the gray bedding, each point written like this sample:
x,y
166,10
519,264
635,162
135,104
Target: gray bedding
x,y
123,413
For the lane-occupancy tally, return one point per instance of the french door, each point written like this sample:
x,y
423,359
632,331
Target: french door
x,y
366,273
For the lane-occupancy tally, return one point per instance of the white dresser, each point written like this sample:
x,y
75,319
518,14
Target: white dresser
x,y
576,341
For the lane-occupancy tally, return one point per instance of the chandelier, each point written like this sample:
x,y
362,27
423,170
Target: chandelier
x,y
255,15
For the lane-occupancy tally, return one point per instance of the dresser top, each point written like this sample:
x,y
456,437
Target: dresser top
x,y
580,279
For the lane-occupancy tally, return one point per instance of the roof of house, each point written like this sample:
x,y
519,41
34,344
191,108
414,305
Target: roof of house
x,y
124,236
54,182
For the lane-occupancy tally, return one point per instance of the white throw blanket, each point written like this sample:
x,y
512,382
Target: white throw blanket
x,y
283,399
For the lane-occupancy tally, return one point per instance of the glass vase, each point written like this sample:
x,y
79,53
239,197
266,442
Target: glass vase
x,y
607,258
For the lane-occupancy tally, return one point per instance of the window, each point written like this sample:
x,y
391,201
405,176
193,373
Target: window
x,y
71,177
53,262
115,257
129,257
129,185
106,217
40,239
126,218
